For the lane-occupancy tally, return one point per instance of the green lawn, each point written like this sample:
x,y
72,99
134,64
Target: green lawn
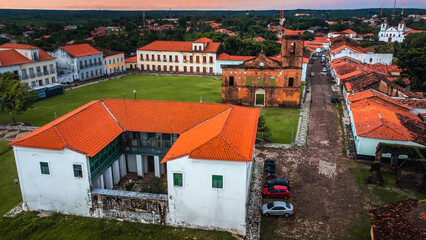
x,y
28,225
170,88
280,121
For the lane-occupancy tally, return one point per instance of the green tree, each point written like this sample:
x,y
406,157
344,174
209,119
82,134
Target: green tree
x,y
262,129
15,97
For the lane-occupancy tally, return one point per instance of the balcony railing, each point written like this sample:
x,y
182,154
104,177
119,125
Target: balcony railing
x,y
32,75
24,77
146,150
46,72
39,74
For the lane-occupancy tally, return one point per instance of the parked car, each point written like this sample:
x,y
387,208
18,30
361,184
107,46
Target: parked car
x,y
270,168
276,192
324,69
278,181
278,208
315,58
334,99
312,74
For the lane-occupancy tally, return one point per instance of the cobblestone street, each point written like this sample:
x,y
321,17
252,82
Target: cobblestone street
x,y
323,191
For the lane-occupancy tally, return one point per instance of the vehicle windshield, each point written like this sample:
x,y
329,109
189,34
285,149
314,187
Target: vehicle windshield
x,y
287,205
270,189
270,205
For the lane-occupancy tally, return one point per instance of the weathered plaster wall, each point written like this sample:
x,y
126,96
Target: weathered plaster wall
x,y
130,206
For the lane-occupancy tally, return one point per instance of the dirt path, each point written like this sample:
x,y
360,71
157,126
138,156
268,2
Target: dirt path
x,y
323,190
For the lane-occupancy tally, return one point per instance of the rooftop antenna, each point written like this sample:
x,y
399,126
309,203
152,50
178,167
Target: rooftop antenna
x,y
403,5
143,19
170,12
381,11
394,5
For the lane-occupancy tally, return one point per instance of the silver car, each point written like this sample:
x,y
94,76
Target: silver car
x,y
278,208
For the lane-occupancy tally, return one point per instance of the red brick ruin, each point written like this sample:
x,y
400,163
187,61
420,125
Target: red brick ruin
x,y
264,81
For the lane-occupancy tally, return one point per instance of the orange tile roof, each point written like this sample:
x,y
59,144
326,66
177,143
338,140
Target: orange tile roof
x,y
376,120
227,57
207,131
355,49
351,74
17,46
12,57
178,46
349,31
378,96
81,50
131,60
293,32
305,60
203,40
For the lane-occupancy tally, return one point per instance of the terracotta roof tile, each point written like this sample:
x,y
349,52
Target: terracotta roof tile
x,y
17,46
203,40
178,46
208,131
227,57
131,60
80,50
12,57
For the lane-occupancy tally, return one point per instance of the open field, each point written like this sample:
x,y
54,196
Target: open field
x,y
149,87
30,226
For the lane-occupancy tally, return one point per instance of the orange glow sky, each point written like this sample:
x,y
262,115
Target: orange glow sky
x,y
203,4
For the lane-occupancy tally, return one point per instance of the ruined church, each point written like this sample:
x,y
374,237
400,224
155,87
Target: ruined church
x,y
266,81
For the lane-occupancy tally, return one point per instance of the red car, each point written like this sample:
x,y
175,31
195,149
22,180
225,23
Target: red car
x,y
276,192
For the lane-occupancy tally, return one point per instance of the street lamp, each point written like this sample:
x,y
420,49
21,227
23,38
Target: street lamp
x,y
134,93
292,131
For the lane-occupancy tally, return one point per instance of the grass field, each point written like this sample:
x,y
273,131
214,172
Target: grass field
x,y
280,121
29,226
148,87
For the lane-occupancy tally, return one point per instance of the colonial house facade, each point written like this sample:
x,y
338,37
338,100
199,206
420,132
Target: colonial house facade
x,y
205,151
80,62
266,81
198,57
34,66
113,61
131,63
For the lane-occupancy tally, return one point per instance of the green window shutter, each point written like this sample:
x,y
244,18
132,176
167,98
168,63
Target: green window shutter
x,y
260,82
44,167
217,181
78,171
272,82
249,80
177,179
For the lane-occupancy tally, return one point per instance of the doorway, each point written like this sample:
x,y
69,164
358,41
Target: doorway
x,y
151,167
260,98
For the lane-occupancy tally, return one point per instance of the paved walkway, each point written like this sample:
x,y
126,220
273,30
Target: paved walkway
x,y
10,132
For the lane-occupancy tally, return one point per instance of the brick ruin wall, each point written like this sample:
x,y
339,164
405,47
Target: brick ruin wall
x,y
145,210
280,95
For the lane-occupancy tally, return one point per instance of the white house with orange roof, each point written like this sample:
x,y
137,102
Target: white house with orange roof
x,y
348,32
78,62
376,117
205,151
33,65
198,57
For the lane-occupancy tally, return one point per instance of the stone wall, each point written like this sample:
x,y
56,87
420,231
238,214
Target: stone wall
x,y
130,206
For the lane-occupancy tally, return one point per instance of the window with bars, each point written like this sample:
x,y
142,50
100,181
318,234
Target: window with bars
x,y
78,170
217,181
44,167
178,179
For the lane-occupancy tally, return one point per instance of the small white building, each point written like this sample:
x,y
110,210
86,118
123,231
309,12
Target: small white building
x,y
360,55
347,32
226,59
78,62
204,151
198,57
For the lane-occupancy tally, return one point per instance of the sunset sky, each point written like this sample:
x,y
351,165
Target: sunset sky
x,y
204,4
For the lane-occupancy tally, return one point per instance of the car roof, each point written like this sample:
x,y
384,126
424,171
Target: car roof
x,y
279,203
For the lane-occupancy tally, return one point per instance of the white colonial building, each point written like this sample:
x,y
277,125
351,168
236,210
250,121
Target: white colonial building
x,y
33,65
392,34
348,51
203,151
78,62
198,57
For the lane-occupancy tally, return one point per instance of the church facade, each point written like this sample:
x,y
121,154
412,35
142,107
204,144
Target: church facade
x,y
266,81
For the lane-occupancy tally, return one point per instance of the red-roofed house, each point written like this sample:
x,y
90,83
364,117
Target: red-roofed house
x,y
198,57
131,62
33,65
376,118
347,32
80,61
205,151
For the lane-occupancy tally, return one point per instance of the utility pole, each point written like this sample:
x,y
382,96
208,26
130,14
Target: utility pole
x,y
394,5
143,19
403,5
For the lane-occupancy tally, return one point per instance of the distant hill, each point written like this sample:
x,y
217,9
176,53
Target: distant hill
x,y
40,17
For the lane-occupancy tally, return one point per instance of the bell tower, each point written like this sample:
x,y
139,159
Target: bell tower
x,y
292,51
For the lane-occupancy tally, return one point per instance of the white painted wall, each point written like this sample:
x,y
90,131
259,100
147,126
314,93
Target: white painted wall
x,y
304,70
197,204
368,58
220,63
131,163
59,191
